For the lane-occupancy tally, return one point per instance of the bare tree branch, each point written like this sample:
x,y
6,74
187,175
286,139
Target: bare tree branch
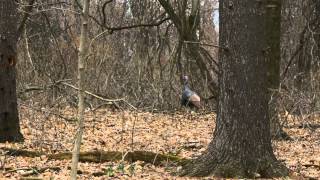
x,y
173,16
27,11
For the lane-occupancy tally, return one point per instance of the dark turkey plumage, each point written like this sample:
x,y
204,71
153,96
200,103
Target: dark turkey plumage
x,y
189,98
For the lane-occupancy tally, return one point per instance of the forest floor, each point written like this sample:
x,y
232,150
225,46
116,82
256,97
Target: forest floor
x,y
182,134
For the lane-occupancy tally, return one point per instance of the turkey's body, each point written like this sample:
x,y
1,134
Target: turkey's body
x,y
190,98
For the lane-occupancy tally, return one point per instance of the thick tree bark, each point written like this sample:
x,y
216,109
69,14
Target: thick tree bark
x,y
242,142
9,119
273,15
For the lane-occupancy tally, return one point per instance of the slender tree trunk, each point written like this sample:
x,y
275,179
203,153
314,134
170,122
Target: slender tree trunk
x,y
273,15
292,25
9,119
306,58
187,25
303,75
241,146
307,61
317,32
83,50
313,24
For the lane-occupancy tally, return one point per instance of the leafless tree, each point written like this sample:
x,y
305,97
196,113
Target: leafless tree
x,y
83,55
241,146
9,119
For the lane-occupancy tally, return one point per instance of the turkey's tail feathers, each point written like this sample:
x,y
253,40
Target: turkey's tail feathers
x,y
195,101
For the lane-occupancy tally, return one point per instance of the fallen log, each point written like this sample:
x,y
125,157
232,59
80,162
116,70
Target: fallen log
x,y
32,170
103,156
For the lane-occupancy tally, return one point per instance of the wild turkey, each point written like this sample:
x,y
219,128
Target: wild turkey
x,y
189,98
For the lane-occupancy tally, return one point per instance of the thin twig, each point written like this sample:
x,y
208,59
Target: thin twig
x,y
101,98
94,95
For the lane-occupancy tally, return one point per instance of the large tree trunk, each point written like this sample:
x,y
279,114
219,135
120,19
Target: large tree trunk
x,y
273,15
9,119
242,142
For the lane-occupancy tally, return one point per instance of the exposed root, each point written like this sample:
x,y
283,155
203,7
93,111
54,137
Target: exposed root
x,y
204,166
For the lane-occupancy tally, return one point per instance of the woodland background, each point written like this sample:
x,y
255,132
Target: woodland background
x,y
140,64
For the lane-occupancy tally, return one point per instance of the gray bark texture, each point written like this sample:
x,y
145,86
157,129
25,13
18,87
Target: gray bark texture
x,y
241,146
9,119
83,55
